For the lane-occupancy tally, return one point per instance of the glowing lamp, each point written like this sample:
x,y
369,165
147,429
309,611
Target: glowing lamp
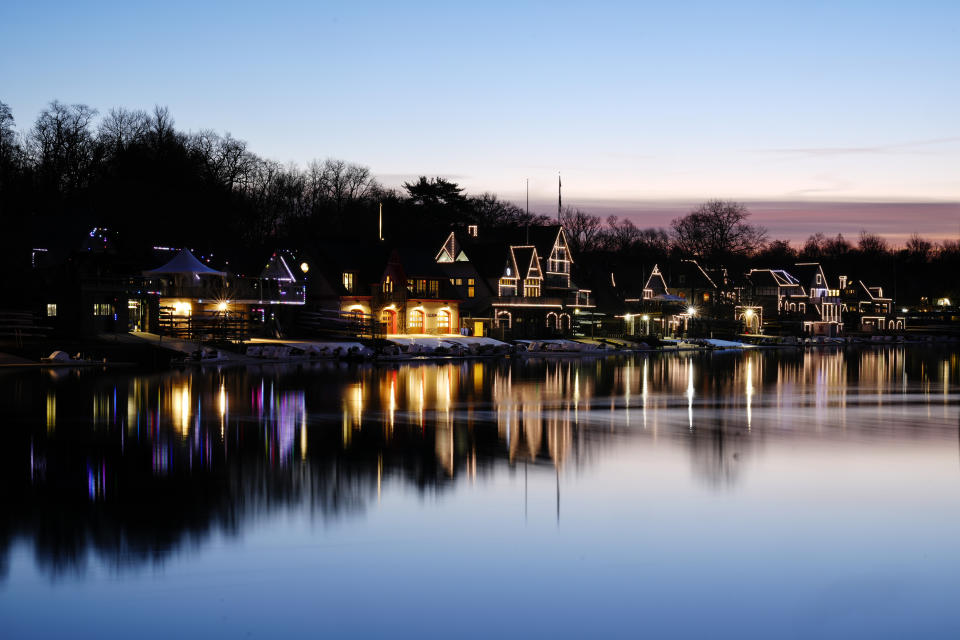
x,y
221,306
748,313
691,311
304,267
645,318
627,317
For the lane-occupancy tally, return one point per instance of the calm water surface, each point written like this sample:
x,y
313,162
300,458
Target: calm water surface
x,y
735,495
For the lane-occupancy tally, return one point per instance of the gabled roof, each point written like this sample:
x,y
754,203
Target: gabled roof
x,y
656,282
544,239
281,266
526,262
772,278
689,274
184,263
874,293
807,272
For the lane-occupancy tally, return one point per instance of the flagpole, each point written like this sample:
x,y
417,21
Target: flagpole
x,y
559,197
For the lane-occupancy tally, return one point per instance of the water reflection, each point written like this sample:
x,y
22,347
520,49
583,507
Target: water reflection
x,y
127,468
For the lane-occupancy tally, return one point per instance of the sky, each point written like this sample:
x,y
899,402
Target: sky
x,y
821,116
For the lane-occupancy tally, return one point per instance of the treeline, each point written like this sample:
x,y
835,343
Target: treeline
x,y
136,174
719,235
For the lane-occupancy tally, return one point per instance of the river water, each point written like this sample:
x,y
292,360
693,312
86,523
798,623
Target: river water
x,y
764,494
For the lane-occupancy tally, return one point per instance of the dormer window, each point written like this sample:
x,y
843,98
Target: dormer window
x,y
472,230
348,281
531,287
819,279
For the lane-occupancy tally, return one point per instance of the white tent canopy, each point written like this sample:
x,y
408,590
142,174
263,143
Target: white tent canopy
x,y
184,263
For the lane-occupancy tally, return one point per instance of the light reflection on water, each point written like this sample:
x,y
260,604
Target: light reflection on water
x,y
120,472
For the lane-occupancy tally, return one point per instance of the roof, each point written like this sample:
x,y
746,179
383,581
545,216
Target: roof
x,y
807,272
771,278
656,282
184,263
282,266
523,259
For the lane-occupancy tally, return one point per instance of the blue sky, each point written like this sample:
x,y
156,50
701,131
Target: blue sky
x,y
638,104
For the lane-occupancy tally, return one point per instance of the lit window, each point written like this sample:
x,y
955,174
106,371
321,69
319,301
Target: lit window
x,y
471,290
531,287
416,321
443,321
51,310
387,285
348,281
434,288
102,309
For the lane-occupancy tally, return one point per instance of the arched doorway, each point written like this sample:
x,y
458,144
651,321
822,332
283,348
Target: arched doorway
x,y
565,322
443,321
503,319
415,321
389,318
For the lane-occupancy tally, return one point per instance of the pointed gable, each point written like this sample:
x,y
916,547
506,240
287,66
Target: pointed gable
x,y
448,252
279,267
527,262
656,285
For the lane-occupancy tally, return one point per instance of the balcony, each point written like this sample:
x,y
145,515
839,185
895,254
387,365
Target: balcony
x,y
528,301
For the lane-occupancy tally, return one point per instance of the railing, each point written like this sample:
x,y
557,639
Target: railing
x,y
533,301
218,327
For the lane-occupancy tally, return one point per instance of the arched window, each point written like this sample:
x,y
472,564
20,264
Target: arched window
x,y
443,321
415,321
564,321
552,321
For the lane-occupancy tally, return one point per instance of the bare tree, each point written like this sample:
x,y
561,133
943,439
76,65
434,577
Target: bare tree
x,y
584,231
161,131
11,153
620,235
778,252
122,127
61,144
717,230
919,249
813,247
837,247
226,159
872,244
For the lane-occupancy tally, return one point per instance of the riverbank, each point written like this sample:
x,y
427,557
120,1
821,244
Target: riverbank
x,y
152,351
